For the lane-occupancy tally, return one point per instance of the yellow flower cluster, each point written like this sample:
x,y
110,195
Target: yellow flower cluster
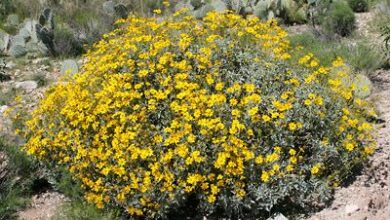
x,y
166,108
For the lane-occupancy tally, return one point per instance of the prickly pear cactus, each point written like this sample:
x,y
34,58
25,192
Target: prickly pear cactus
x,y
17,51
363,86
4,41
13,20
263,9
3,167
46,18
196,4
45,30
219,5
121,11
289,10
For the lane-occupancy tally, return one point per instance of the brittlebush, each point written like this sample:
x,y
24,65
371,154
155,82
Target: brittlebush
x,y
165,110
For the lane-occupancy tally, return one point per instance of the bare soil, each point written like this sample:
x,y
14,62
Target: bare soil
x,y
43,206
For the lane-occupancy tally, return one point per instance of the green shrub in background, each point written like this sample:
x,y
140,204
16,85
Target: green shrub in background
x,y
6,7
358,5
360,56
17,176
339,20
66,42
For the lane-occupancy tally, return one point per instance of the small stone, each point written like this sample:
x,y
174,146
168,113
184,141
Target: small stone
x,y
278,216
40,60
28,86
10,65
349,209
3,109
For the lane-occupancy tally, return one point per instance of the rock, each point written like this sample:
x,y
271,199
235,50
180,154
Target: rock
x,y
13,20
10,65
41,60
28,86
69,67
17,51
278,216
351,208
3,109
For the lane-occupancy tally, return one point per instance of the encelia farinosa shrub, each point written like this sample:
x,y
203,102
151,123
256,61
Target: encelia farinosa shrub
x,y
213,113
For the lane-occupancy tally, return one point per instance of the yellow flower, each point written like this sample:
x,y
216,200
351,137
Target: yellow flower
x,y
194,179
319,101
266,118
338,62
240,193
259,159
191,138
315,169
134,211
290,168
249,87
157,11
219,86
307,102
292,126
276,167
265,176
211,198
166,3
253,111
293,160
313,63
349,146
369,150
143,73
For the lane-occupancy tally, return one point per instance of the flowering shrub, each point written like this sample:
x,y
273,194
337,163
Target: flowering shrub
x,y
170,110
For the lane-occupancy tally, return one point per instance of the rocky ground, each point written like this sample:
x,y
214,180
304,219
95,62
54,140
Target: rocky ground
x,y
43,206
368,197
23,83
